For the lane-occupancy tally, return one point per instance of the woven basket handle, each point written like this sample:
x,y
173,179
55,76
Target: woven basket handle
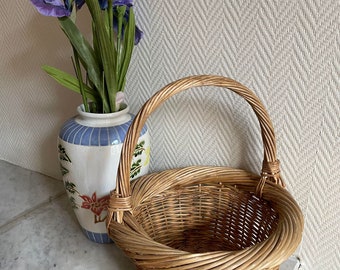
x,y
120,198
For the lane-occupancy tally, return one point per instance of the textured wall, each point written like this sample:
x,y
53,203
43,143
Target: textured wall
x,y
286,51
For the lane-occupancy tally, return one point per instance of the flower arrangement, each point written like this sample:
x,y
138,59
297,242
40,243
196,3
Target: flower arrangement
x,y
100,67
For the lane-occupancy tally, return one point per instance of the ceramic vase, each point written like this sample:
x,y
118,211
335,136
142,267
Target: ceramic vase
x,y
89,147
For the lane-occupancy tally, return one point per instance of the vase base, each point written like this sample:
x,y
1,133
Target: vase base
x,y
100,238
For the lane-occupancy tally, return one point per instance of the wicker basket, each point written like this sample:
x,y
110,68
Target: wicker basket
x,y
204,217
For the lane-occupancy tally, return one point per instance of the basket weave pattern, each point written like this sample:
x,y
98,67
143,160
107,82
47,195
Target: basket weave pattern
x,y
204,217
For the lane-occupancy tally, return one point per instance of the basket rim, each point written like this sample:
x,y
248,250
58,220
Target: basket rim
x,y
285,237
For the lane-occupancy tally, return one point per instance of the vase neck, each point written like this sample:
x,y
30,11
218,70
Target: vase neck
x,y
102,119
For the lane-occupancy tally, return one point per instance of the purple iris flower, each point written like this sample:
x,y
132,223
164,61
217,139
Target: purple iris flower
x,y
61,8
104,3
54,8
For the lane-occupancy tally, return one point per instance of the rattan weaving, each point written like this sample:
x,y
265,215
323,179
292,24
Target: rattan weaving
x,y
204,217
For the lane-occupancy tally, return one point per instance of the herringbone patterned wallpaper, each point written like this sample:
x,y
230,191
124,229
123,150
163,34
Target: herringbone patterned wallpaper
x,y
287,51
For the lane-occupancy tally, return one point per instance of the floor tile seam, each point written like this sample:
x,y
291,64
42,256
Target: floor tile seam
x,y
25,214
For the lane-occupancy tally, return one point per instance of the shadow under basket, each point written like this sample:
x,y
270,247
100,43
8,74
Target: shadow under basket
x,y
204,217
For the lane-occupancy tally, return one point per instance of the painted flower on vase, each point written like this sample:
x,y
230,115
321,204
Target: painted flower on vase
x,y
97,206
92,203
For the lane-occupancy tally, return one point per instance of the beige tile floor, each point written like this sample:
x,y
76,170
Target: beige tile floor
x,y
38,229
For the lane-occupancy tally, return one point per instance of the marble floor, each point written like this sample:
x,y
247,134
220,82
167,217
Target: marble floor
x,y
38,229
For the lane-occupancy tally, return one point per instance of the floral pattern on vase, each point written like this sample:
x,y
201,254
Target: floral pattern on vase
x,y
92,203
89,153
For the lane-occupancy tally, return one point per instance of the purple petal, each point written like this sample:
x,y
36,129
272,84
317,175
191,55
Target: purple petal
x,y
138,35
54,8
53,2
103,4
80,3
128,3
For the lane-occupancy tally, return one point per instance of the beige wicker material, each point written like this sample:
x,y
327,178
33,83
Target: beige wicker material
x,y
204,217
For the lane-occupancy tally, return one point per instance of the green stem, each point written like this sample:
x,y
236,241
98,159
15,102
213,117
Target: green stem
x,y
89,58
110,22
129,39
121,11
80,79
105,50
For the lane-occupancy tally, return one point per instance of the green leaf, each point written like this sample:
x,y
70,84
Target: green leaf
x,y
70,82
86,53
109,20
135,168
139,149
62,154
70,187
73,203
120,17
129,40
76,64
63,170
105,51
83,48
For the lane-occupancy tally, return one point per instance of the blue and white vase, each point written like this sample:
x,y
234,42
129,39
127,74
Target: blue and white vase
x,y
89,147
